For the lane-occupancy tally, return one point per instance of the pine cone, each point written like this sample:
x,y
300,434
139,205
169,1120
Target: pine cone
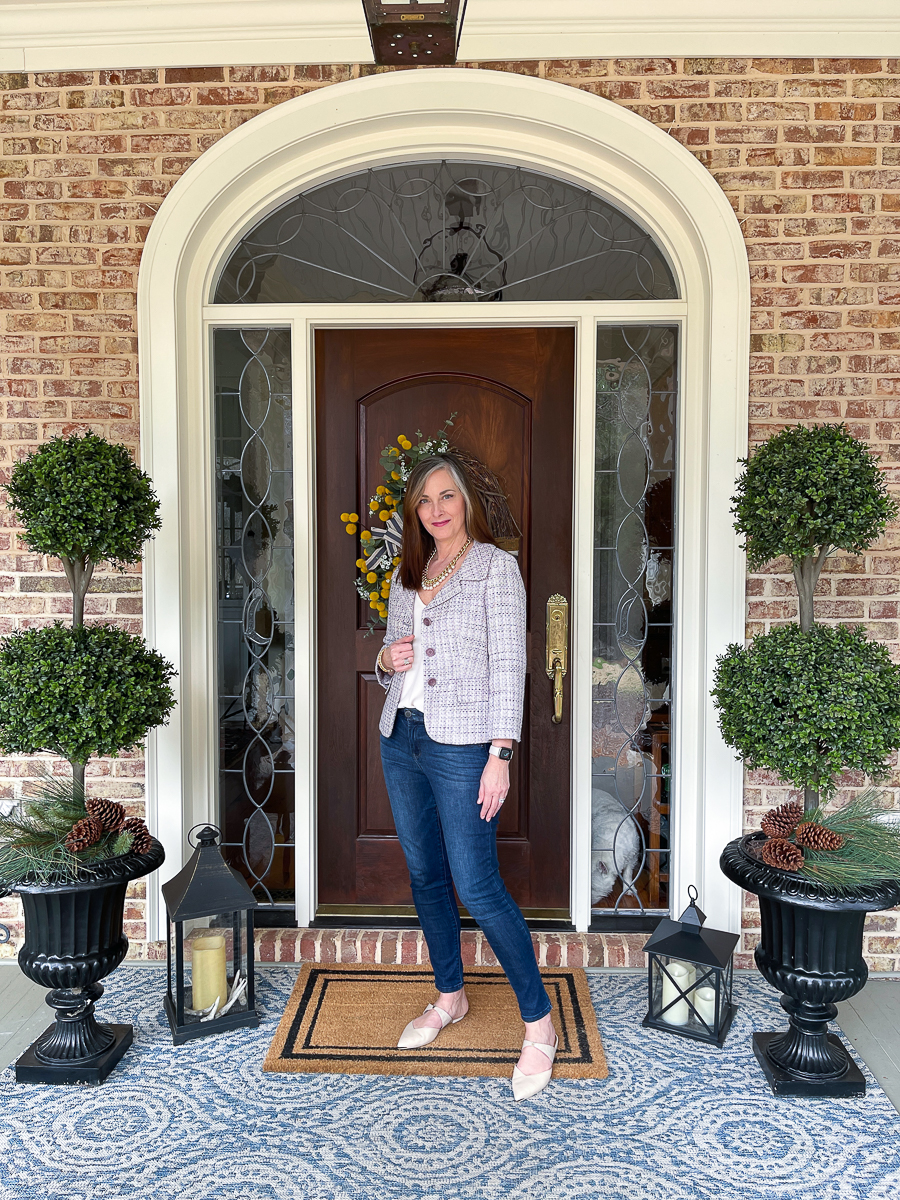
x,y
779,822
141,838
780,853
817,837
108,812
86,832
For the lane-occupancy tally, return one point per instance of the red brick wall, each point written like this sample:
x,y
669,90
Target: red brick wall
x,y
808,152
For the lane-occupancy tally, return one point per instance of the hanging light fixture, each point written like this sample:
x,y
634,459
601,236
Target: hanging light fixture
x,y
414,34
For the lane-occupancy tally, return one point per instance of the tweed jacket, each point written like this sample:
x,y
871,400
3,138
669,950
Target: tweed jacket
x,y
473,638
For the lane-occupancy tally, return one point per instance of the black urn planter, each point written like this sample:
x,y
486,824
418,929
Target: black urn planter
x,y
73,939
810,949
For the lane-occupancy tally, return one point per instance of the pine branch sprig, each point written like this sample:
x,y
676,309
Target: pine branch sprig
x,y
871,849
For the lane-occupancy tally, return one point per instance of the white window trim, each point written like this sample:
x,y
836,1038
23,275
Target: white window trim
x,y
401,117
58,35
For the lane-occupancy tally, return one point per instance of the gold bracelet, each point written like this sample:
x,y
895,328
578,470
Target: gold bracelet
x,y
387,670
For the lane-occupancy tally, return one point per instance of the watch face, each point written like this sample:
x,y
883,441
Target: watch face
x,y
505,752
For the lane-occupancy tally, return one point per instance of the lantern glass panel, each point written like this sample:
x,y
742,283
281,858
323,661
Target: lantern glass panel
x,y
189,1012
691,999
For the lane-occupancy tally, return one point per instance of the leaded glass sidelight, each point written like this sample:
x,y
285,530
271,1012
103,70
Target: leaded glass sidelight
x,y
636,391
445,232
254,525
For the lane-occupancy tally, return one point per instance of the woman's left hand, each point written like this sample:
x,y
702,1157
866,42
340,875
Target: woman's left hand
x,y
494,786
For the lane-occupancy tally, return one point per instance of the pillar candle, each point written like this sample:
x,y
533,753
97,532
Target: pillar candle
x,y
208,977
704,1000
679,1012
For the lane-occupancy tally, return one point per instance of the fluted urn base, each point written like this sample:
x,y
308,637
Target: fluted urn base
x,y
810,949
76,1048
74,938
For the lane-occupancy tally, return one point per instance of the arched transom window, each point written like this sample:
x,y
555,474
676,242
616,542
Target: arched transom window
x,y
445,231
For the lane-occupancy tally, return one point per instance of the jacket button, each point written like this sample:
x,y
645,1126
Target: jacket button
x,y
430,651
426,620
432,682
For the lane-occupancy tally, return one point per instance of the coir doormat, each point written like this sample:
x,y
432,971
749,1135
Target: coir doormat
x,y
345,1018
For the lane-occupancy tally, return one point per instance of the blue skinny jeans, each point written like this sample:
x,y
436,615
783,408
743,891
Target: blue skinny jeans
x,y
433,789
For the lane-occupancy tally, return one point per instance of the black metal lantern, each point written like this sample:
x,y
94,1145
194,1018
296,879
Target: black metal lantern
x,y
690,977
208,888
412,34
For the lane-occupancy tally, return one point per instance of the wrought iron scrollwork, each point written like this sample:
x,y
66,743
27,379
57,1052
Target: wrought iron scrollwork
x,y
634,548
255,606
445,232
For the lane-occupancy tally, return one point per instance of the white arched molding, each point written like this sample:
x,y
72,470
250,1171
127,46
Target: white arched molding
x,y
494,117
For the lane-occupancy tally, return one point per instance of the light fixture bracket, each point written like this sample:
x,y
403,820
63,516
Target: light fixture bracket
x,y
415,34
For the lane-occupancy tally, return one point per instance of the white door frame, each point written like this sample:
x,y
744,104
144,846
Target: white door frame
x,y
432,114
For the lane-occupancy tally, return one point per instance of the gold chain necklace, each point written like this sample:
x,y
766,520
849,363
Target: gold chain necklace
x,y
428,585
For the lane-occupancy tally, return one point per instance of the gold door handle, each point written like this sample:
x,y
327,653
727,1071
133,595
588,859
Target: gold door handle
x,y
557,649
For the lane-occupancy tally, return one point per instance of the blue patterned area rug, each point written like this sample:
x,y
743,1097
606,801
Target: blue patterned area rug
x,y
675,1120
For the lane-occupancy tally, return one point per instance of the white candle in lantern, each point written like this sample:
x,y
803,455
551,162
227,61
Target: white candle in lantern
x,y
679,1013
691,973
704,1000
208,970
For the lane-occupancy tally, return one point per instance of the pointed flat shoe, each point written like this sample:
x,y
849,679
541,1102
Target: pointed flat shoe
x,y
526,1086
413,1039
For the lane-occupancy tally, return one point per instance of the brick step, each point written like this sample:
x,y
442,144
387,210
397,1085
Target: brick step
x,y
408,946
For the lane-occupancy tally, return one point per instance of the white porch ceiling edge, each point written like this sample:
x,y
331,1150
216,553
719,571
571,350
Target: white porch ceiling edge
x,y
54,35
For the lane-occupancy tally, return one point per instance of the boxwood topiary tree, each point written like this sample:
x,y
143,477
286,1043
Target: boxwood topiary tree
x,y
807,492
806,700
84,501
86,689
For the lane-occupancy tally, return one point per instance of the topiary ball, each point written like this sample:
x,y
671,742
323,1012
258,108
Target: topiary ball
x,y
808,487
810,705
83,497
76,692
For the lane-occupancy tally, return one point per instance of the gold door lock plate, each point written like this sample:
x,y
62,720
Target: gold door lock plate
x,y
557,649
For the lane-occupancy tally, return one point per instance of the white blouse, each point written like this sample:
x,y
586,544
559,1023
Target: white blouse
x,y
412,694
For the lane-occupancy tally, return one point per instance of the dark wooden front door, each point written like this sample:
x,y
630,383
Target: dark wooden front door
x,y
512,391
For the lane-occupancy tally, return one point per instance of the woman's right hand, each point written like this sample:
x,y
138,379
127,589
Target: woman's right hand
x,y
399,655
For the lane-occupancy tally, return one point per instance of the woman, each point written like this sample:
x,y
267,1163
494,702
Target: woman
x,y
453,664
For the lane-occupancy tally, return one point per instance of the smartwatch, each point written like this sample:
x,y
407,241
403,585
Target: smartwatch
x,y
503,752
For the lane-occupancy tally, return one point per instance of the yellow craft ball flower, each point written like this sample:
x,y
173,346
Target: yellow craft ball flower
x,y
395,475
371,577
345,517
396,560
351,528
373,598
361,563
372,604
395,452
365,536
373,504
381,490
383,515
354,516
